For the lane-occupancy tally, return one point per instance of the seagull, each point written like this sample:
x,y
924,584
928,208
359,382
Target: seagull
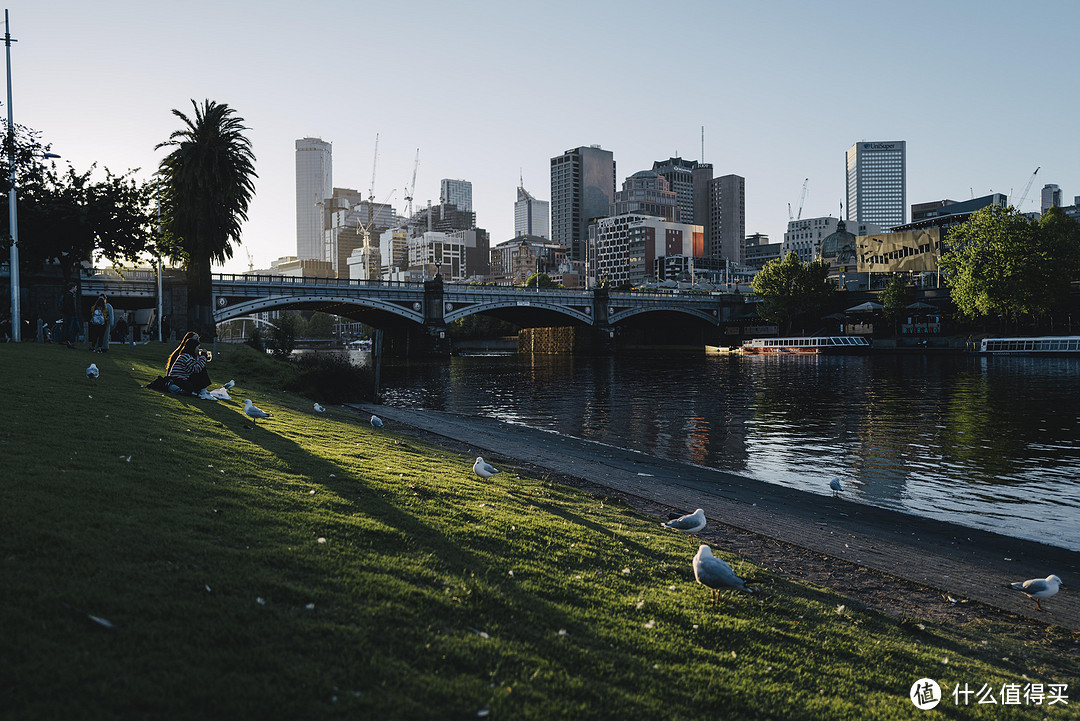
x,y
376,422
689,524
319,409
715,573
92,371
1037,588
834,484
229,385
484,470
255,413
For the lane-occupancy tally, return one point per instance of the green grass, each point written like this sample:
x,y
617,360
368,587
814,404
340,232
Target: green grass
x,y
435,595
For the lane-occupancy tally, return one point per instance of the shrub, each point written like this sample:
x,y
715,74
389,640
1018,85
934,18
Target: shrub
x,y
331,378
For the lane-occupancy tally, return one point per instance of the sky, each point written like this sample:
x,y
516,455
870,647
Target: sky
x,y
489,91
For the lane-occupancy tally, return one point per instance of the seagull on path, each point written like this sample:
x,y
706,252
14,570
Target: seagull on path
x,y
689,524
1037,588
837,489
319,409
376,422
715,573
255,413
92,371
484,470
229,385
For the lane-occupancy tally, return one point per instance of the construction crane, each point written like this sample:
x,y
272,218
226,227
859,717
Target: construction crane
x,y
802,199
412,187
1019,206
251,263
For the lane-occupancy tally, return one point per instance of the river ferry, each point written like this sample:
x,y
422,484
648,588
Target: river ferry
x,y
814,345
1053,345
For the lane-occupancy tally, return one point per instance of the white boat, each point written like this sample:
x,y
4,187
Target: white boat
x,y
1042,345
813,345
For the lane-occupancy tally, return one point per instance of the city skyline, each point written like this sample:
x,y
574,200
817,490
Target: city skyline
x,y
782,92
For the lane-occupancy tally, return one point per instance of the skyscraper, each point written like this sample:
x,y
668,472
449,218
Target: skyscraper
x,y
314,184
647,193
690,181
877,183
582,190
727,218
531,216
456,192
1051,197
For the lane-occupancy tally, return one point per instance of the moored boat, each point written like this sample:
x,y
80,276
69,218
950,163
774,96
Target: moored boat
x,y
1051,345
812,345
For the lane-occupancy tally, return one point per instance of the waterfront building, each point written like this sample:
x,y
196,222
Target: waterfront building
x,y
1051,197
456,192
915,252
314,184
531,216
513,261
582,190
727,218
760,251
877,183
628,246
646,193
689,179
434,252
805,235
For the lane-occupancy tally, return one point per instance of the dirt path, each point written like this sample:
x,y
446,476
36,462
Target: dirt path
x,y
898,563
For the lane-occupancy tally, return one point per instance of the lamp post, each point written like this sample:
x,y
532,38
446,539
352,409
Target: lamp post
x,y
16,316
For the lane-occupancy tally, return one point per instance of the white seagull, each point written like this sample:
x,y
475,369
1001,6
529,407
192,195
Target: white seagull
x,y
376,422
837,489
229,385
319,409
484,470
689,524
255,413
1037,588
92,371
715,573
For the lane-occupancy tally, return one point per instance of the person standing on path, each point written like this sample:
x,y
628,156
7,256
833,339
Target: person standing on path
x,y
96,328
110,319
69,313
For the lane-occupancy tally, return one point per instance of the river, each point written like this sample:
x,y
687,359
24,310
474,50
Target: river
x,y
985,442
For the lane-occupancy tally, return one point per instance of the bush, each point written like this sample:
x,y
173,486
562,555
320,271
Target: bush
x,y
331,378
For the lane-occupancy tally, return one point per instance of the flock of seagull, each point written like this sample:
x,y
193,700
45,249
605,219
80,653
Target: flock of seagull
x,y
712,572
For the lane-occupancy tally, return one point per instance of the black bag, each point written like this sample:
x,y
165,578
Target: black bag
x,y
158,384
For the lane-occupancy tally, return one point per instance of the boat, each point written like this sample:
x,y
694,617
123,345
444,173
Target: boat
x,y
812,345
1050,345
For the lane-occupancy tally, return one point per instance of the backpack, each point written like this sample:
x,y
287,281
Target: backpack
x,y
99,317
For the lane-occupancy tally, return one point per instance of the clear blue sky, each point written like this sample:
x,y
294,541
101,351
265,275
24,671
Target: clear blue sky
x,y
982,91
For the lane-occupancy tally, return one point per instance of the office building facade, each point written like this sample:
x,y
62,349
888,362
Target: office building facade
x,y
727,218
456,192
646,193
314,184
804,236
689,179
531,216
1051,197
582,190
630,247
877,183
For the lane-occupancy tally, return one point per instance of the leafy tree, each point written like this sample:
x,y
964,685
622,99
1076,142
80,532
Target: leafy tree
x,y
789,289
319,325
894,298
287,328
543,279
1000,262
208,182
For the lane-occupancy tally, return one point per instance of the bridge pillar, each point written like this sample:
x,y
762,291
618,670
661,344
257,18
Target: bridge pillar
x,y
603,332
436,340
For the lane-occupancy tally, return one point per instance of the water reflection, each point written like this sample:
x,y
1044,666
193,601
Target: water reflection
x,y
987,442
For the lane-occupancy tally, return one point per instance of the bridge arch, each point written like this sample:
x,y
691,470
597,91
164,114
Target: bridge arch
x,y
709,316
258,305
467,309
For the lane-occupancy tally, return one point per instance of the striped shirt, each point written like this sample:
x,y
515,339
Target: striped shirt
x,y
186,366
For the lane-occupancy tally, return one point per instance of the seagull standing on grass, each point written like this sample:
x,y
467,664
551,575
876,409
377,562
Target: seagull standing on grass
x,y
319,409
1037,588
376,422
837,489
689,524
715,573
92,371
255,413
483,469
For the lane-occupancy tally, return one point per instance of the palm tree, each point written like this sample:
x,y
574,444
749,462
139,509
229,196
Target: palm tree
x,y
207,183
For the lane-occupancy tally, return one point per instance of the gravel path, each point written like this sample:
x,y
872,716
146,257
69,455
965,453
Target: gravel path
x,y
899,563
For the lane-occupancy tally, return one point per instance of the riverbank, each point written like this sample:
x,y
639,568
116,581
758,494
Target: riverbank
x,y
943,565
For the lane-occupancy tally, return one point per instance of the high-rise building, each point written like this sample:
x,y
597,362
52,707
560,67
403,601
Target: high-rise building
x,y
628,246
531,216
690,181
805,235
646,193
877,183
1051,197
456,192
314,184
727,218
582,190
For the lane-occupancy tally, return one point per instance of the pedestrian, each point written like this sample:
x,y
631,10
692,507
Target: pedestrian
x,y
122,328
187,368
69,315
96,330
109,321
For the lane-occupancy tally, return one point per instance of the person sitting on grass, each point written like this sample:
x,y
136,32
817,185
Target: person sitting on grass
x,y
187,368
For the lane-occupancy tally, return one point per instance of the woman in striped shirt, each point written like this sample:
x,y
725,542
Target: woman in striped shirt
x,y
187,369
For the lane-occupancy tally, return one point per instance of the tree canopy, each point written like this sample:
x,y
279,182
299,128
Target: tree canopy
x,y
790,288
208,180
999,262
543,280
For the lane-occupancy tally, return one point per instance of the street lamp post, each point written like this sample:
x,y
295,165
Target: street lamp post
x,y
16,315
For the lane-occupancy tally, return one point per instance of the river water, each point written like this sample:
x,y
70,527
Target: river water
x,y
985,442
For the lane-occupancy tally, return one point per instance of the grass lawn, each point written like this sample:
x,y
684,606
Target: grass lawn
x,y
162,557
